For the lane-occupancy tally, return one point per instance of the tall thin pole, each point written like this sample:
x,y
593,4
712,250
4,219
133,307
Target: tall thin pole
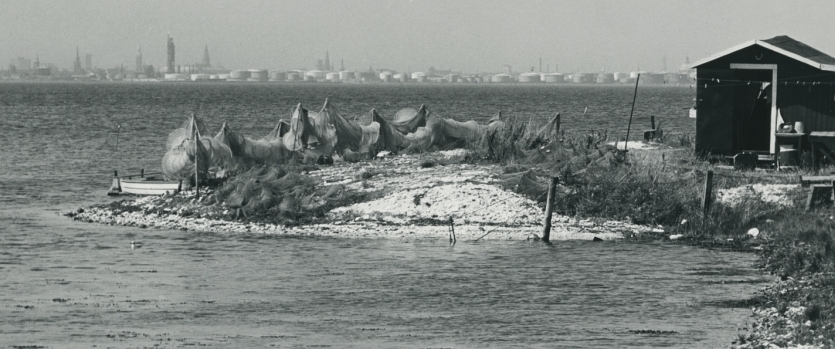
x,y
626,144
118,130
196,134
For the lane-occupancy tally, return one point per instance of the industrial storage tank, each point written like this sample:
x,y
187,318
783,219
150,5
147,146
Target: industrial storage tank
x,y
402,77
239,74
223,76
316,74
199,77
652,78
618,75
385,76
258,75
346,75
554,78
605,78
213,77
501,78
293,77
332,77
581,78
529,77
309,78
176,77
418,74
278,76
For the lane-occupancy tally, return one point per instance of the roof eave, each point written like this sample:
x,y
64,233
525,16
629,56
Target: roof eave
x,y
799,58
721,54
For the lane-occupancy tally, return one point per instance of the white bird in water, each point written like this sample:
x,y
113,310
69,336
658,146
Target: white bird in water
x,y
134,244
585,110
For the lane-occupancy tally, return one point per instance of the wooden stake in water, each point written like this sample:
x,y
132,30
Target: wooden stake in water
x,y
626,144
452,238
549,209
118,130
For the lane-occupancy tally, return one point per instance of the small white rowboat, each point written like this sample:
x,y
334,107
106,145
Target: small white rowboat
x,y
148,186
142,185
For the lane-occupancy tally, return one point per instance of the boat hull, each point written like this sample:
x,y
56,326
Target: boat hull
x,y
148,186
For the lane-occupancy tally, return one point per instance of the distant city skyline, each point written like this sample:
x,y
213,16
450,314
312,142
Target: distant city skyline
x,y
467,36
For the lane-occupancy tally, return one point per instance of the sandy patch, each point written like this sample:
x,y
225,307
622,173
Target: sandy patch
x,y
779,194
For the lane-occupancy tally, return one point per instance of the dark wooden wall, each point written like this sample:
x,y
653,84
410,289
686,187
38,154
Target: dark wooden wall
x,y
804,93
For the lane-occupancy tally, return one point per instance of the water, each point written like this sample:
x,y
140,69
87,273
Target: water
x,y
69,284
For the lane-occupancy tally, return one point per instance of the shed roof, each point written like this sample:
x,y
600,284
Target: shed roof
x,y
784,45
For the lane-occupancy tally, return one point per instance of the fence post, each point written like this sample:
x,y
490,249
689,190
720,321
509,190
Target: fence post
x,y
452,238
652,122
549,209
708,194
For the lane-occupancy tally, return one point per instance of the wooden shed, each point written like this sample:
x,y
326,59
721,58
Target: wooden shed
x,y
746,94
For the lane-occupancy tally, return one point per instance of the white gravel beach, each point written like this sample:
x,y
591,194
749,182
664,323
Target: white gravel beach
x,y
416,203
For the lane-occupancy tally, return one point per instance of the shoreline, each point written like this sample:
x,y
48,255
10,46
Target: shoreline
x,y
412,197
404,204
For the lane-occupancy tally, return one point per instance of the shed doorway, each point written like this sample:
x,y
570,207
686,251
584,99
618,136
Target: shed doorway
x,y
752,110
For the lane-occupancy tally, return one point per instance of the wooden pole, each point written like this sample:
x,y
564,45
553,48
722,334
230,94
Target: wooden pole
x,y
707,197
118,130
634,95
142,173
452,238
549,209
196,161
833,191
652,122
558,124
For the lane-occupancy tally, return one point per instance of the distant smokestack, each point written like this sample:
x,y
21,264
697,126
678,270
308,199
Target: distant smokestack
x,y
170,54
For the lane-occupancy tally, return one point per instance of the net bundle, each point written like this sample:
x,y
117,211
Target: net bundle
x,y
269,190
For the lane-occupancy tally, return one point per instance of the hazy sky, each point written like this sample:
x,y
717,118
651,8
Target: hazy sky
x,y
466,35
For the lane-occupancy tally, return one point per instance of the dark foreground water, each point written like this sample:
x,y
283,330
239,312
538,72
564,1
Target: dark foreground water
x,y
68,284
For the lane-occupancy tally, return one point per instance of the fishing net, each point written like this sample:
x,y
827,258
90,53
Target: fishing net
x,y
310,131
178,162
408,120
278,194
247,151
354,142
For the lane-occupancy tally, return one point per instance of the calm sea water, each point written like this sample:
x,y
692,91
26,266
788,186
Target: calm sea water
x,y
68,284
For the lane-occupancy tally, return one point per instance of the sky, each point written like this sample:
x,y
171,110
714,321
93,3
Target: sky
x,y
464,35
